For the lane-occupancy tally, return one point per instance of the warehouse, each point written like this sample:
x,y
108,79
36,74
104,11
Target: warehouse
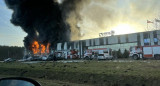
x,y
115,42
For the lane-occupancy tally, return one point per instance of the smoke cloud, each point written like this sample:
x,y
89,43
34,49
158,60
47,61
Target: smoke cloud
x,y
41,19
97,16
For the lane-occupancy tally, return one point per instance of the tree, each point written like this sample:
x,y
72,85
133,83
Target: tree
x,y
11,52
126,54
119,54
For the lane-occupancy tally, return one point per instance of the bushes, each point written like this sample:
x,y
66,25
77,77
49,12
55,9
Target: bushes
x,y
119,54
126,54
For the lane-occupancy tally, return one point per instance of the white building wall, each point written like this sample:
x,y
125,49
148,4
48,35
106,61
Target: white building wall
x,y
151,38
92,42
141,39
104,40
75,45
158,36
115,46
97,41
65,46
59,46
132,37
112,39
123,39
78,47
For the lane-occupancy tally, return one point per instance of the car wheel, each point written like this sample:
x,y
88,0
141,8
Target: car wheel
x,y
157,57
135,57
87,58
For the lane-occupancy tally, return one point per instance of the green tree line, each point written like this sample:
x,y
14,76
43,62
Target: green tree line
x,y
11,52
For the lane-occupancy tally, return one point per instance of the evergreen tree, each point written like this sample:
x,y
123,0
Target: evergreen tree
x,y
126,54
11,52
119,54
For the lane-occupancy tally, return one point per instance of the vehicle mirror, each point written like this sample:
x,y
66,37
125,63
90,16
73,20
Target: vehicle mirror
x,y
15,81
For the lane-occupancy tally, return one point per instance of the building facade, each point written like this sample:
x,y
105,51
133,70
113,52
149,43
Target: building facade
x,y
114,42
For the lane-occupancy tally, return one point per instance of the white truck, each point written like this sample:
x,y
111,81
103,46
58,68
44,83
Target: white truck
x,y
99,53
144,52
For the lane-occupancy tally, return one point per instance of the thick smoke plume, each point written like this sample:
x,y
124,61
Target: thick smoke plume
x,y
42,20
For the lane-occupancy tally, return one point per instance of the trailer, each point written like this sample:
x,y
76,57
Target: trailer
x,y
144,52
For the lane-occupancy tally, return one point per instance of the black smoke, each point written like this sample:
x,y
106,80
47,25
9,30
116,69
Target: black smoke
x,y
42,20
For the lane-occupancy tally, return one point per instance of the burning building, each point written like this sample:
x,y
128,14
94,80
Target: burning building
x,y
44,21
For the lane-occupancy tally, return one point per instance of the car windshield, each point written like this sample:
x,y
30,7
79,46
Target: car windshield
x,y
81,42
100,54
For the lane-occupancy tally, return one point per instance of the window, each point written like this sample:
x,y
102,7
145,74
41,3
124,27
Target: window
x,y
62,46
105,51
146,35
100,54
138,39
155,38
106,40
94,43
101,41
155,41
127,38
83,42
146,41
77,44
146,38
90,42
119,39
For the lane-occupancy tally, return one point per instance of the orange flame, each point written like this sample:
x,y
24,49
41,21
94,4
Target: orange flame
x,y
35,47
48,45
43,48
40,48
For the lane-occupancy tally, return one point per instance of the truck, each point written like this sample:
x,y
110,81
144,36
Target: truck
x,y
144,52
61,54
73,54
99,53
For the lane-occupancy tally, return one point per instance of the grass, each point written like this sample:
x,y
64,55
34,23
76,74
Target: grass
x,y
110,73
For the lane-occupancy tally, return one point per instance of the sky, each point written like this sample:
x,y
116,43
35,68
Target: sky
x,y
96,16
122,16
10,35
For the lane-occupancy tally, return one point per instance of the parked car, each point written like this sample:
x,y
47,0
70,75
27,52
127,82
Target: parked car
x,y
44,58
22,60
29,59
50,57
9,60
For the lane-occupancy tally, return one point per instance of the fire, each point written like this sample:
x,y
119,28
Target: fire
x,y
38,48
48,45
43,48
35,47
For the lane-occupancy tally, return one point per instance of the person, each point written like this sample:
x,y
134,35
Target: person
x,y
54,57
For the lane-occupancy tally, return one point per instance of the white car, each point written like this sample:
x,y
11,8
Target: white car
x,y
9,60
44,58
101,57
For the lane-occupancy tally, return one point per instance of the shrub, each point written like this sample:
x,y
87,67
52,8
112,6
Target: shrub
x,y
119,54
126,54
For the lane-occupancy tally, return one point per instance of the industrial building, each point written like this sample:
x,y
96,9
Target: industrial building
x,y
115,42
